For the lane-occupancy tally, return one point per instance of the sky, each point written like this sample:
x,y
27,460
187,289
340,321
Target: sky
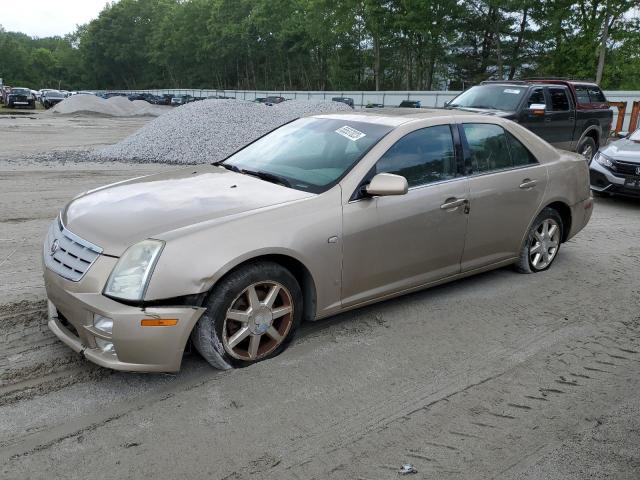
x,y
45,18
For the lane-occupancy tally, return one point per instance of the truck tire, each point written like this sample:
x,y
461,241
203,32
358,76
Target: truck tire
x,y
587,148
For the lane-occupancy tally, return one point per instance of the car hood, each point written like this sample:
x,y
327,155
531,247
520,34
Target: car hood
x,y
625,150
119,215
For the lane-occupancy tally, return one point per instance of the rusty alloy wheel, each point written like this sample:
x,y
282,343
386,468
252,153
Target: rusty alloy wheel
x,y
257,321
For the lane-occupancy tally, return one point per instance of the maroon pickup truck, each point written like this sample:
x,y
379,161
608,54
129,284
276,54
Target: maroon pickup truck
x,y
571,115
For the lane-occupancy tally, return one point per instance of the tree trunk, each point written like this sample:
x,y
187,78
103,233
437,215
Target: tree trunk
x,y
603,46
376,61
516,49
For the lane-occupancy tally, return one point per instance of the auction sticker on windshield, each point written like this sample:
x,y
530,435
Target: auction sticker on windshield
x,y
350,133
510,90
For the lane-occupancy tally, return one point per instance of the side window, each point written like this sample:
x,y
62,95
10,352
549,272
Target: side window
x,y
596,95
519,153
537,96
424,156
582,93
559,99
488,147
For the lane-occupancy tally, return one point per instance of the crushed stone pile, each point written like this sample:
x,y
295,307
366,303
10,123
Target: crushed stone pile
x,y
210,130
114,107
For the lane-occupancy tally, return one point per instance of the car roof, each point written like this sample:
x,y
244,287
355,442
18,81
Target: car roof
x,y
395,117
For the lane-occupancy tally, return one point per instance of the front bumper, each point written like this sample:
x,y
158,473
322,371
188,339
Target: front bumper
x,y
72,306
604,180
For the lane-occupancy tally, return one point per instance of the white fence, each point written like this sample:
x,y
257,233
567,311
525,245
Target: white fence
x,y
362,98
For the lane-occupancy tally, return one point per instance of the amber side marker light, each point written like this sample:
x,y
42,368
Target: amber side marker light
x,y
158,322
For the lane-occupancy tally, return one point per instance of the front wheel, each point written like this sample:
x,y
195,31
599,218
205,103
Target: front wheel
x,y
587,148
542,243
251,315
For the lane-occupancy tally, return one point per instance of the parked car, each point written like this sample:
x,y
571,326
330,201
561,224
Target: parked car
x,y
374,105
4,91
615,169
20,97
260,99
410,104
350,209
51,98
274,100
182,99
570,115
345,100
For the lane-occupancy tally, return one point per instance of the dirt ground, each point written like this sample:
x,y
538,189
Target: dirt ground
x,y
501,375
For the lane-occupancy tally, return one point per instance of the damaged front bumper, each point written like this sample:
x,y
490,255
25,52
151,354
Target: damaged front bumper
x,y
132,346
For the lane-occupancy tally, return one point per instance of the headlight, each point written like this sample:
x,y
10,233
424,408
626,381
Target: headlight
x,y
603,160
129,278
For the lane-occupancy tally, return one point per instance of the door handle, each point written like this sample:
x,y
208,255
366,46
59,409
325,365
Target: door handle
x,y
528,183
453,203
548,119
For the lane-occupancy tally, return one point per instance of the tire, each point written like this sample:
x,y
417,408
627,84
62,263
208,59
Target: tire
x,y
226,333
587,148
528,261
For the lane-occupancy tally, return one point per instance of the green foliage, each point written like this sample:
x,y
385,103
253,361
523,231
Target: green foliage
x,y
329,44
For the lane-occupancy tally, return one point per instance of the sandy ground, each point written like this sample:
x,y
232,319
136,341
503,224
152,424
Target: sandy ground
x,y
501,375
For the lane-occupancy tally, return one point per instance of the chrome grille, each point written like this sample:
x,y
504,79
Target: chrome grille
x,y
67,254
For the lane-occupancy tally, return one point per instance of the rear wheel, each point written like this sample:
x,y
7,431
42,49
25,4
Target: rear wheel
x,y
587,148
251,315
542,243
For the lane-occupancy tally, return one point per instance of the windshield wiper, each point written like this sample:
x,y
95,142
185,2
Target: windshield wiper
x,y
269,177
233,168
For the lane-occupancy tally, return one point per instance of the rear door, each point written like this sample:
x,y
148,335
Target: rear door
x,y
506,188
560,117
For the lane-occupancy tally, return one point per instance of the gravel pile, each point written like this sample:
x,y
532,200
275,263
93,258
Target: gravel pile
x,y
209,130
114,107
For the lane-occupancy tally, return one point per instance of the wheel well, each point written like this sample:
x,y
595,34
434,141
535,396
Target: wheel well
x,y
301,274
565,214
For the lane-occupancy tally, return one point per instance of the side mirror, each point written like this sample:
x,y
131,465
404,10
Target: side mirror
x,y
537,108
446,104
385,184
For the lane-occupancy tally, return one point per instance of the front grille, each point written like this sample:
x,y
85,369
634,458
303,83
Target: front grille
x,y
625,168
67,254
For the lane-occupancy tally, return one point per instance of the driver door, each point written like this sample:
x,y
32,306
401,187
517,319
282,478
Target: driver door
x,y
395,243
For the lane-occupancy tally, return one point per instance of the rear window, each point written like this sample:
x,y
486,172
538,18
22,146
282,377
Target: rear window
x,y
589,94
582,94
596,95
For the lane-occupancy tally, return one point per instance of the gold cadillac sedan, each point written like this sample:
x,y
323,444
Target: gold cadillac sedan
x,y
325,214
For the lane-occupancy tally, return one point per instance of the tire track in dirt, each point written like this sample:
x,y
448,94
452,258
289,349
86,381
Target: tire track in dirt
x,y
518,405
32,360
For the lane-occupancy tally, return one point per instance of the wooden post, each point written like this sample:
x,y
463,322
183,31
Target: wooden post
x,y
635,112
622,110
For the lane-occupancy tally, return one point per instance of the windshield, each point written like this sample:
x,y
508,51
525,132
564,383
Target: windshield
x,y
310,154
496,97
20,91
54,95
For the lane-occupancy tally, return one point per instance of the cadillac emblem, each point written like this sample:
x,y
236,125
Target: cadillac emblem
x,y
54,247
